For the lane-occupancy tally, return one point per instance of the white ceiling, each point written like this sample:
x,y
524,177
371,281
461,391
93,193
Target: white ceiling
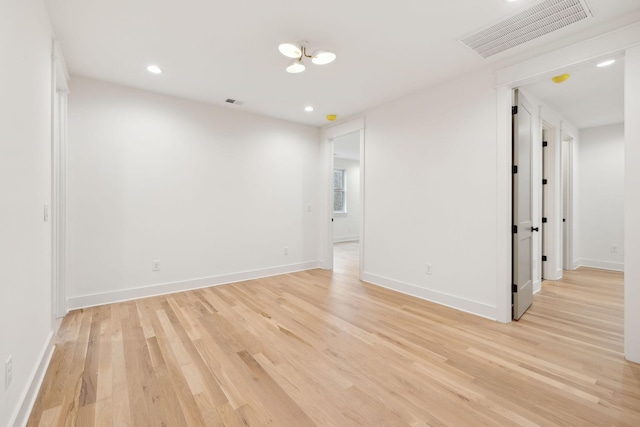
x,y
213,50
592,96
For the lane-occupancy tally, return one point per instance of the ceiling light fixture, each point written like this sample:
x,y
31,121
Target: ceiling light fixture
x,y
295,66
308,108
298,51
154,69
606,63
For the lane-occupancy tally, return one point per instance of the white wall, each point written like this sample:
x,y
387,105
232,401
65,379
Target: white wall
x,y
430,194
632,205
25,137
214,193
601,196
346,227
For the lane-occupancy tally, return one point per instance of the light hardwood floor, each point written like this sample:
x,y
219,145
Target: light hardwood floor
x,y
322,348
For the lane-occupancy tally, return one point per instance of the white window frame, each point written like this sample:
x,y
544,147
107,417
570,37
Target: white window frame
x,y
343,190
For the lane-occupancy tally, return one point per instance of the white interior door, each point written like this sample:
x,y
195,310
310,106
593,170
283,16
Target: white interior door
x,y
544,201
522,211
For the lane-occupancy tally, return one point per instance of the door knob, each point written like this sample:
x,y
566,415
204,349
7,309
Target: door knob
x,y
534,229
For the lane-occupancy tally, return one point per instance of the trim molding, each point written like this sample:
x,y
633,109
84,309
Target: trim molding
x,y
604,265
473,307
537,286
352,238
25,404
556,275
92,300
598,47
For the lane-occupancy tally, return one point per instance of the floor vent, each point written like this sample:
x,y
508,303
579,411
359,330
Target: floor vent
x,y
531,23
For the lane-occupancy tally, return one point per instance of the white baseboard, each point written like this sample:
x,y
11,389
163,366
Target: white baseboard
x,y
340,239
537,286
473,307
85,301
25,404
604,265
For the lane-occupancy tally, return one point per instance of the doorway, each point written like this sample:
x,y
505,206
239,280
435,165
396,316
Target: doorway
x,y
345,186
59,97
563,130
346,202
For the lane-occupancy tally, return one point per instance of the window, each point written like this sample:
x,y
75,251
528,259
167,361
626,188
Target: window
x,y
339,191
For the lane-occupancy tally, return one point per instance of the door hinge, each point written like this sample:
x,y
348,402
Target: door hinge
x,y
514,109
545,143
544,257
515,169
514,288
515,229
544,182
544,219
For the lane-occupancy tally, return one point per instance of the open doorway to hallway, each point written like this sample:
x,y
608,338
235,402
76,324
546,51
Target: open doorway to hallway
x,y
579,197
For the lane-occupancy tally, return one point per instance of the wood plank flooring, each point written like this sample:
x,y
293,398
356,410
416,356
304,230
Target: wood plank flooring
x,y
320,348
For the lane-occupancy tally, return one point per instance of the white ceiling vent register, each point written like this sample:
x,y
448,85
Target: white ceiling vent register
x,y
531,23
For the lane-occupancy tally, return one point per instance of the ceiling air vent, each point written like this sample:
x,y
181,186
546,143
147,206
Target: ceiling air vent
x,y
528,24
233,101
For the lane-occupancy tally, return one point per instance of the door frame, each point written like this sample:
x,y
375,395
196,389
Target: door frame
x,y
59,113
507,79
553,201
327,136
568,144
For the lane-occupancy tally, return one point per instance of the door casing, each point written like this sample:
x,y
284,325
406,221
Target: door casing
x,y
328,135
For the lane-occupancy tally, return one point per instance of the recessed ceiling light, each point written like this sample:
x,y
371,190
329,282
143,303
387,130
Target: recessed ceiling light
x,y
154,69
308,108
606,63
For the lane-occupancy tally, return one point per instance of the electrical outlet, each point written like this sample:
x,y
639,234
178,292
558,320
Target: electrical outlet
x,y
155,265
427,269
8,372
285,251
614,249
